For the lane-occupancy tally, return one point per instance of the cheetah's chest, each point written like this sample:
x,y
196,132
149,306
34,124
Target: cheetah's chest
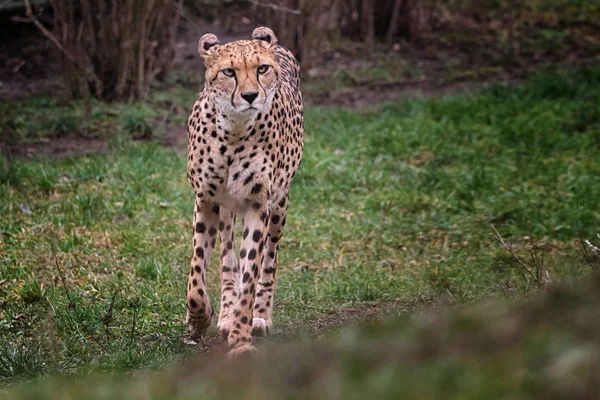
x,y
238,177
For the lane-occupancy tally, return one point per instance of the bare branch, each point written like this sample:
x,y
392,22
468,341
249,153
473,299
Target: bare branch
x,y
538,273
276,7
32,18
508,248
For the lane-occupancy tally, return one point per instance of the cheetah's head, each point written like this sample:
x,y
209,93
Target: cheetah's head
x,y
242,76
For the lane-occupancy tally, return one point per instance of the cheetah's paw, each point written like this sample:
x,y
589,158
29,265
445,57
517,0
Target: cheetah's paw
x,y
224,326
198,325
260,327
241,351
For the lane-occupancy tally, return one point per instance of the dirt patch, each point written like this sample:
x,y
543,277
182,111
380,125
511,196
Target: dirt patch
x,y
363,313
73,145
59,147
373,95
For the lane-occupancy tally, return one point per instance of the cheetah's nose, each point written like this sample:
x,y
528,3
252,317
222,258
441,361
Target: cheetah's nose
x,y
249,96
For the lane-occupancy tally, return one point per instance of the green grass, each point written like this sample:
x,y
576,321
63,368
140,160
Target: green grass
x,y
384,68
35,118
392,205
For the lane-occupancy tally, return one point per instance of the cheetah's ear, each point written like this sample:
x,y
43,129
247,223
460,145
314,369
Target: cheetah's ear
x,y
207,44
265,35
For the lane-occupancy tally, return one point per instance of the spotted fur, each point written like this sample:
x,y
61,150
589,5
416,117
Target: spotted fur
x,y
245,140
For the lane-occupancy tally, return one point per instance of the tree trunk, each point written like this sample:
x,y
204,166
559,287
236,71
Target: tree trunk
x,y
127,44
368,22
393,26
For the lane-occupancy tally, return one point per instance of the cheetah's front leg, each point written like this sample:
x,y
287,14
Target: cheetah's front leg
x,y
230,273
251,255
262,321
199,314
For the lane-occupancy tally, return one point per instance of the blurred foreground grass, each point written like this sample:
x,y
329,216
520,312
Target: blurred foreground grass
x,y
545,347
392,205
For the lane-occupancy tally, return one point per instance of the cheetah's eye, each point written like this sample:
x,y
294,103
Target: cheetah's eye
x,y
263,69
228,72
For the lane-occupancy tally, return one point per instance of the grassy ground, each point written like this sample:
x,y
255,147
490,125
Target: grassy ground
x,y
546,347
40,118
393,206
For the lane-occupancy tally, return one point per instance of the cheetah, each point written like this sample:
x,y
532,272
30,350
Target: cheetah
x,y
245,141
